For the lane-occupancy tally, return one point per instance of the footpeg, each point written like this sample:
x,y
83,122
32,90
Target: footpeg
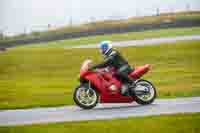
x,y
124,90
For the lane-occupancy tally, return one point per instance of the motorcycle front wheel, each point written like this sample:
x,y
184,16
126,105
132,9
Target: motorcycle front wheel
x,y
85,97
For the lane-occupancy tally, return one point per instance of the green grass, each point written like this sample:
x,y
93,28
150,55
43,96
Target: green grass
x,y
34,77
179,123
120,37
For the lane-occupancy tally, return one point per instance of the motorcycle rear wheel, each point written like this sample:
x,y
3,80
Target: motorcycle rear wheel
x,y
150,96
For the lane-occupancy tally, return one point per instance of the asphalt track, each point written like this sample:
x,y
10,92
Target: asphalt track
x,y
149,41
102,111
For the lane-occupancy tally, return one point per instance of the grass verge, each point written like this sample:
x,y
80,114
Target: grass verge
x,y
34,77
178,123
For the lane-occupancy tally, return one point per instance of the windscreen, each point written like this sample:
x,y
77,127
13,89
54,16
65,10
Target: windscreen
x,y
86,64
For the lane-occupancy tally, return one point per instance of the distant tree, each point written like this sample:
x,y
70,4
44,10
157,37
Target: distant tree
x,y
49,26
35,33
157,12
1,36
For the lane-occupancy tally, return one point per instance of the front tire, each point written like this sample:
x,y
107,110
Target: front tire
x,y
148,97
85,97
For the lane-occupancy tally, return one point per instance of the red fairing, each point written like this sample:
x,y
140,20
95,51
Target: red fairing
x,y
83,72
102,82
139,71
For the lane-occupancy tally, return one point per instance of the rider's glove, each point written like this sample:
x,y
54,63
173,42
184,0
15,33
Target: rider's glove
x,y
90,69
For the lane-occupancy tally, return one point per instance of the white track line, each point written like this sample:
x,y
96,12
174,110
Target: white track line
x,y
151,41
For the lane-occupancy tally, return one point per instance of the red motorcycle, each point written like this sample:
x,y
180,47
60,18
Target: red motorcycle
x,y
101,86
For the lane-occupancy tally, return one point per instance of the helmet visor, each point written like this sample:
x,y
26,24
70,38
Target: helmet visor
x,y
104,48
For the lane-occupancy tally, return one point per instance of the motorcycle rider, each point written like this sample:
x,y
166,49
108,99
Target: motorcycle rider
x,y
113,58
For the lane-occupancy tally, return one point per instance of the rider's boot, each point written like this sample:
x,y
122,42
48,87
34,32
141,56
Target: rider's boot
x,y
131,86
128,88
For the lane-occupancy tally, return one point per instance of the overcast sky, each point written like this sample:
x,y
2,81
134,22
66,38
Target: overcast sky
x,y
17,16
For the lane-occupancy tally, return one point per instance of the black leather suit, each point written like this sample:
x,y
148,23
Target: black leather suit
x,y
114,59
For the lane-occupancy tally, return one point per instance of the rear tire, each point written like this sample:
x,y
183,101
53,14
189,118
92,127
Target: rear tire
x,y
152,93
77,100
